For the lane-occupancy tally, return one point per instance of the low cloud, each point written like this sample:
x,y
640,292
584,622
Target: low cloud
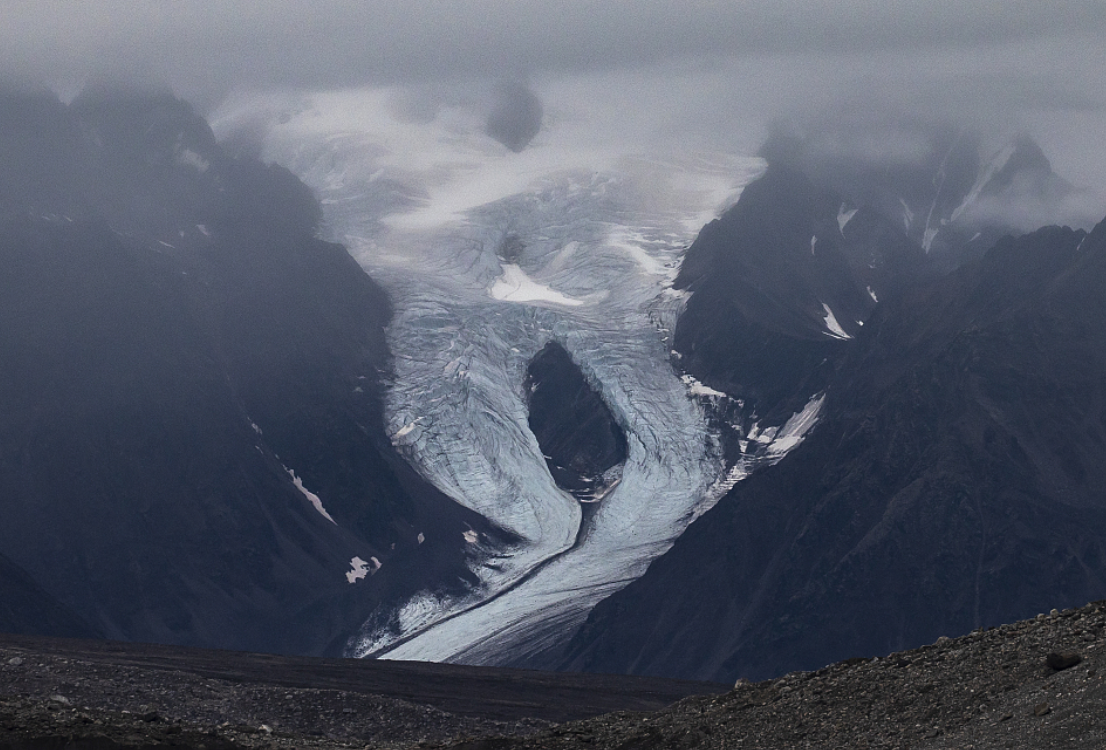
x,y
727,68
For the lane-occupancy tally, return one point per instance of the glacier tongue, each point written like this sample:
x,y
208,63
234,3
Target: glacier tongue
x,y
488,256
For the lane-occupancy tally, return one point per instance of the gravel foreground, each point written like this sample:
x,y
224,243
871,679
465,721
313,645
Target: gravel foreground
x,y
1033,684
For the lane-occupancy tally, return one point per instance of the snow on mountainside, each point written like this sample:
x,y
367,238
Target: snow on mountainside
x,y
488,256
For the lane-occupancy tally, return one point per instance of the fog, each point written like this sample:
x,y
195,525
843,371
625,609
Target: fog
x,y
709,74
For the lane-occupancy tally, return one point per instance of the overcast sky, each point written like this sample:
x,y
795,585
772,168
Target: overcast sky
x,y
1033,65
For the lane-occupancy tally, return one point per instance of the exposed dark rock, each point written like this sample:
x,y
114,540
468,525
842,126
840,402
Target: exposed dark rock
x,y
944,186
136,695
1065,660
764,279
178,352
25,607
584,445
984,690
952,483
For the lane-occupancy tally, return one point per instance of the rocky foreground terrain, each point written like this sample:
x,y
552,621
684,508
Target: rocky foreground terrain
x,y
1034,684
93,695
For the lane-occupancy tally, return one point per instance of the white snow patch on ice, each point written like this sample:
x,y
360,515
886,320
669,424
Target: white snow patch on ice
x,y
421,538
872,294
407,428
471,536
844,217
695,388
834,328
311,496
515,286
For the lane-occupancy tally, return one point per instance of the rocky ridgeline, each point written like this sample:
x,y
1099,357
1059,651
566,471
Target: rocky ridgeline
x,y
1033,684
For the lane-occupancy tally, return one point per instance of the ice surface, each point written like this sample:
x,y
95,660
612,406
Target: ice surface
x,y
596,233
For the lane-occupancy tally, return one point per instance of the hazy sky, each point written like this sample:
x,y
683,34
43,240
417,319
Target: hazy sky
x,y
1034,65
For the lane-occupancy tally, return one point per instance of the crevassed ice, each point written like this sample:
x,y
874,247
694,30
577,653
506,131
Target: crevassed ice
x,y
595,237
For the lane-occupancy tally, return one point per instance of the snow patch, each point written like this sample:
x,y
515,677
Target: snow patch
x,y
844,217
515,286
813,242
358,570
907,215
834,328
471,536
695,388
794,430
872,294
927,238
407,428
311,496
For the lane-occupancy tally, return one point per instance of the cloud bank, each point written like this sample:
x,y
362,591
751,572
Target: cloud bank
x,y
1016,64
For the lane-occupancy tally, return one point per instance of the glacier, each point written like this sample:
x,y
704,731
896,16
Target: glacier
x,y
487,256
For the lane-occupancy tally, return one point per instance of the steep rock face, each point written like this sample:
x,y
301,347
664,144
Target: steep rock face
x,y
953,483
583,444
779,284
192,440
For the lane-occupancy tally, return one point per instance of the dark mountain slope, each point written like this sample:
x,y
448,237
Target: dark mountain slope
x,y
954,482
25,607
779,284
187,372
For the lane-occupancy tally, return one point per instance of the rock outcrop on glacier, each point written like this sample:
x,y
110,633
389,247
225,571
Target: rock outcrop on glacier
x,y
582,443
